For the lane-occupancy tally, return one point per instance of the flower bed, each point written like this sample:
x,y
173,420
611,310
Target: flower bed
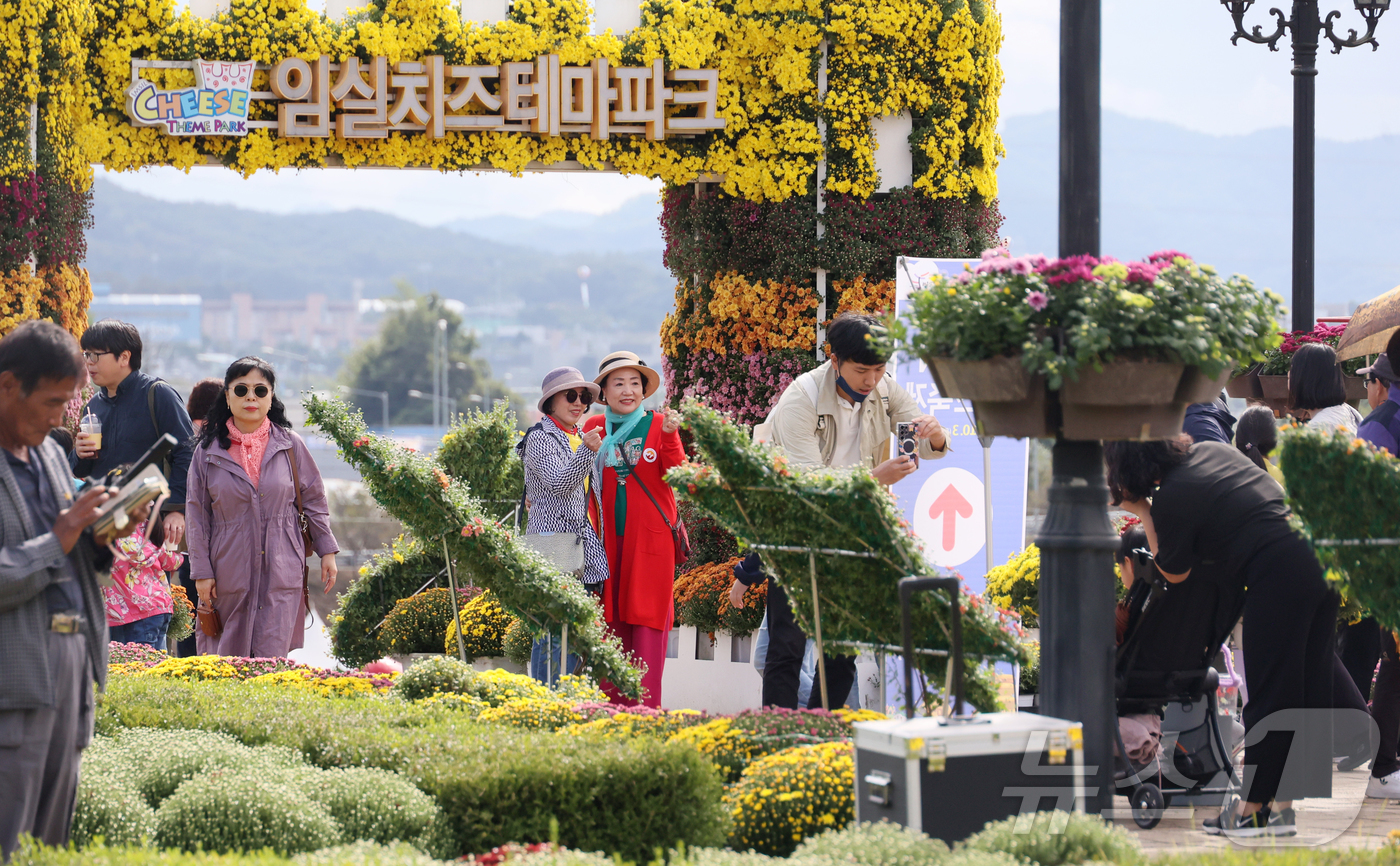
x,y
417,624
702,600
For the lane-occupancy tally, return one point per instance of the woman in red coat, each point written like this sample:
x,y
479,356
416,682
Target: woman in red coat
x,y
634,510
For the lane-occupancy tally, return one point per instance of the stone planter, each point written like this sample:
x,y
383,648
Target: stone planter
x,y
1124,400
409,660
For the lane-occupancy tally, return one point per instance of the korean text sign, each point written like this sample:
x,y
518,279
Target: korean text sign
x,y
944,500
358,98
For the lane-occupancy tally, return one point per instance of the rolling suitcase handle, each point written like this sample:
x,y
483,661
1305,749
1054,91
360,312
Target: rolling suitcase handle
x,y
907,587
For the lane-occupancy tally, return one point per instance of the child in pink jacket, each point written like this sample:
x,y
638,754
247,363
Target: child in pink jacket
x,y
138,601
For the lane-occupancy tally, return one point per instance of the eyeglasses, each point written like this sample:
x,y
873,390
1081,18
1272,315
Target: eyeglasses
x,y
259,391
93,356
574,395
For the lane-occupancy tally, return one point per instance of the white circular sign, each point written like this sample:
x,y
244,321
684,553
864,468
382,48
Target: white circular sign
x,y
950,517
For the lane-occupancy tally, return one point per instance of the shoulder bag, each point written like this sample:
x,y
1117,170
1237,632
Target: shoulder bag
x,y
679,536
305,526
564,549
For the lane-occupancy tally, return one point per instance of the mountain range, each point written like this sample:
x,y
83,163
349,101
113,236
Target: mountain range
x,y
1225,200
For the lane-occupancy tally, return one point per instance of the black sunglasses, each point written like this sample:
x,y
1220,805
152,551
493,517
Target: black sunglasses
x,y
259,391
574,395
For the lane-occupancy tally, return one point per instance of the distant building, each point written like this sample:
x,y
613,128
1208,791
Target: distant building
x,y
312,322
168,319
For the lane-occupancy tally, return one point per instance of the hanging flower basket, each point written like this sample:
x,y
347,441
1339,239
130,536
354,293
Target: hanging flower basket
x,y
1086,348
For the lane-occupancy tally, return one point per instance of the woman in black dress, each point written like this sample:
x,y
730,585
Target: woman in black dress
x,y
1207,507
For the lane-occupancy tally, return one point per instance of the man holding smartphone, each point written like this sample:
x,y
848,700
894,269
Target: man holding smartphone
x,y
839,415
133,409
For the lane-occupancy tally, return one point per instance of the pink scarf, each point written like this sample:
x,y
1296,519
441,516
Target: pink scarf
x,y
250,447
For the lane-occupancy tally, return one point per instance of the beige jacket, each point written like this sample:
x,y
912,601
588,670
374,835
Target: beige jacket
x,y
805,428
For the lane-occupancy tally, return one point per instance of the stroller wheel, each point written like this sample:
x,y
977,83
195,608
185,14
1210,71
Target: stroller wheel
x,y
1147,805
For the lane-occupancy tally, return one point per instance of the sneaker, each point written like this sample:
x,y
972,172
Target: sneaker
x,y
1284,822
1384,787
1227,823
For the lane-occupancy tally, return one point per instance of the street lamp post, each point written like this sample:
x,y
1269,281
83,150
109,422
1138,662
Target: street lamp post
x,y
451,403
382,395
1308,28
1076,540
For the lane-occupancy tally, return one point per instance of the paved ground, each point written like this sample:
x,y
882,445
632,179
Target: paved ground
x,y
1347,820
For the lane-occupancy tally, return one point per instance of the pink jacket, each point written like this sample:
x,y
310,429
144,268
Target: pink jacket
x,y
138,590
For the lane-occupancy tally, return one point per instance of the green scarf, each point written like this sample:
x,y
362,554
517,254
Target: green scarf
x,y
613,442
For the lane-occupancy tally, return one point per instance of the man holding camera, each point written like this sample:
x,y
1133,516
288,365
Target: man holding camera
x,y
839,415
134,409
53,627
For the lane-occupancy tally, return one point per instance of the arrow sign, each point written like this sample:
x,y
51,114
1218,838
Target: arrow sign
x,y
950,505
949,515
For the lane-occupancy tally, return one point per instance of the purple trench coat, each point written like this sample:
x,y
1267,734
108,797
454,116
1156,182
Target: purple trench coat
x,y
248,540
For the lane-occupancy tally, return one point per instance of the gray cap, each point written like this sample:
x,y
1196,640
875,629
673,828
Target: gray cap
x,y
562,379
1380,369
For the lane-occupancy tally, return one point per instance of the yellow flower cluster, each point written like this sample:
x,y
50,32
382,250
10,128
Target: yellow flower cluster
x,y
301,678
483,623
728,748
538,714
193,668
1015,585
744,317
624,725
881,64
19,298
786,797
858,295
499,687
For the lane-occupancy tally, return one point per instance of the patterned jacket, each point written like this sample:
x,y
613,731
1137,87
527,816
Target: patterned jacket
x,y
29,558
554,486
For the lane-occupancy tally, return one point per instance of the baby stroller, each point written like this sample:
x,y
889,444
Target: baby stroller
x,y
1165,666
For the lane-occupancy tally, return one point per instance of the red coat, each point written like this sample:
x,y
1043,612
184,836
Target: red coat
x,y
642,570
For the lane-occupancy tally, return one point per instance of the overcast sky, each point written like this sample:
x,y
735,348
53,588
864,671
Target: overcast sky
x,y
1167,60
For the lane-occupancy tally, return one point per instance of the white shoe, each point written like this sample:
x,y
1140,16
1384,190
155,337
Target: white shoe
x,y
1385,787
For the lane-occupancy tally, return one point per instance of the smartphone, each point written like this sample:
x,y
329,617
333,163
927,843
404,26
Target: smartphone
x,y
907,442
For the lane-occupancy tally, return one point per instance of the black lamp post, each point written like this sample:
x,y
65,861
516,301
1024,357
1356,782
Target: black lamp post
x,y
1308,28
1077,541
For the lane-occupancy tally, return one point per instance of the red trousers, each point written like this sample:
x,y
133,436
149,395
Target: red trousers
x,y
648,645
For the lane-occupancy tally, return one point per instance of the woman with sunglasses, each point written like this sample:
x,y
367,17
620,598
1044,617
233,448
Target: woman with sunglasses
x,y
247,556
557,457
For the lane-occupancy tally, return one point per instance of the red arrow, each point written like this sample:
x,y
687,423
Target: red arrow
x,y
950,505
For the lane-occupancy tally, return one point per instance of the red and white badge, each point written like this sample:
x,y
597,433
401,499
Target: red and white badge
x,y
649,455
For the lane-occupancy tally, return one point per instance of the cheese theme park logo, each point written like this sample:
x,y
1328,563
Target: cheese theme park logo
x,y
216,105
370,99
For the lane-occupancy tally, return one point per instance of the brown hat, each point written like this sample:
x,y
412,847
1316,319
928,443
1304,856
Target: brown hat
x,y
629,361
562,379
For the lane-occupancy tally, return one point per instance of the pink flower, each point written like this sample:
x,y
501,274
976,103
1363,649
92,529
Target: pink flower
x,y
1143,272
1166,258
1071,270
1037,300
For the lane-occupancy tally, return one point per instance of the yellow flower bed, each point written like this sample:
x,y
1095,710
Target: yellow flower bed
x,y
784,798
541,714
622,725
728,749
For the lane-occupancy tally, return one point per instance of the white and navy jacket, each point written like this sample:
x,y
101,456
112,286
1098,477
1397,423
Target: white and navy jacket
x,y
554,476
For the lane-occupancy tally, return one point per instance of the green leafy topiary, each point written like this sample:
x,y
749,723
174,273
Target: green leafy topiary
x,y
244,811
757,496
1343,489
157,762
479,451
418,492
872,844
433,676
1057,839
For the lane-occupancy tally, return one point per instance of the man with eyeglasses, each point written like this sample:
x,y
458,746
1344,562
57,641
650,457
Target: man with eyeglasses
x,y
135,409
